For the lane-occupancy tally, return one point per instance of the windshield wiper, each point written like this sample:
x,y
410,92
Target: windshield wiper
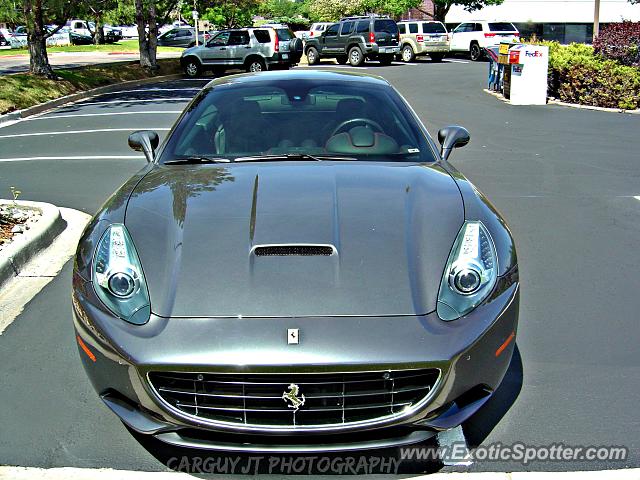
x,y
290,156
195,159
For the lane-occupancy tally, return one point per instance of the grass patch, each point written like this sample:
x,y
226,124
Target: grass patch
x,y
121,46
23,90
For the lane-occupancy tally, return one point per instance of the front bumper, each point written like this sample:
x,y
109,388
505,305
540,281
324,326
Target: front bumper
x,y
473,353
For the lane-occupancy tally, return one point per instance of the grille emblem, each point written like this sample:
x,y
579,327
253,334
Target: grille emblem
x,y
293,336
291,397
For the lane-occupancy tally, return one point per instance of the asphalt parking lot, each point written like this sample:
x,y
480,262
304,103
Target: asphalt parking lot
x,y
566,180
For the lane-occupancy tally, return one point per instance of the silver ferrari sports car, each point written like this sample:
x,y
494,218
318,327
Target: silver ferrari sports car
x,y
297,268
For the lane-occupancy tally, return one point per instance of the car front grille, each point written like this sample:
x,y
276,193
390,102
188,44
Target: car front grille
x,y
261,399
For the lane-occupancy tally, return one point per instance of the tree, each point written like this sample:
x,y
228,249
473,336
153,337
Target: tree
x,y
442,7
38,14
333,10
224,13
96,9
124,13
10,12
393,8
149,14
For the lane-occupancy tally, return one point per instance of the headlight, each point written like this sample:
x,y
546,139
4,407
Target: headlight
x,y
117,276
470,274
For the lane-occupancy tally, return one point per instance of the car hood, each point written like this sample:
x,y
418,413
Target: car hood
x,y
390,225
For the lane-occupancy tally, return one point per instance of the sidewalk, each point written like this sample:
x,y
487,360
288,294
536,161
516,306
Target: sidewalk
x,y
20,62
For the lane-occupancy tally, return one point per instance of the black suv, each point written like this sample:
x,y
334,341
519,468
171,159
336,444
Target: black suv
x,y
355,39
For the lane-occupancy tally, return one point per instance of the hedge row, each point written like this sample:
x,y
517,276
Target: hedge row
x,y
578,75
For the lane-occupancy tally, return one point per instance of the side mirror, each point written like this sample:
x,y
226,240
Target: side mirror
x,y
452,137
145,141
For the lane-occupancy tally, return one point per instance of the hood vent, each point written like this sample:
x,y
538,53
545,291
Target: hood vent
x,y
293,250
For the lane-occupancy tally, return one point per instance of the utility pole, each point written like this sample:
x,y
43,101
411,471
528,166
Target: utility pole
x,y
596,19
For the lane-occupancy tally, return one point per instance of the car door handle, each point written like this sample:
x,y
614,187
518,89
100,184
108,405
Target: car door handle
x,y
247,47
223,48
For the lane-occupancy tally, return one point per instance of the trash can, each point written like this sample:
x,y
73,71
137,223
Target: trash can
x,y
528,79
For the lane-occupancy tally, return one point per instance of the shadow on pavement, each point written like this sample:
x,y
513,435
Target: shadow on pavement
x,y
480,425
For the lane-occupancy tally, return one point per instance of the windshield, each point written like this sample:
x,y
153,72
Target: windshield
x,y
433,28
387,26
349,119
502,27
284,34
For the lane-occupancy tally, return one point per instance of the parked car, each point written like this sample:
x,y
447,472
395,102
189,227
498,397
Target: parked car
x,y
254,49
419,37
473,37
316,30
355,39
87,29
129,31
261,286
182,37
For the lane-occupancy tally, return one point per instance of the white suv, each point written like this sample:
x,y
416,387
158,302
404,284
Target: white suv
x,y
472,37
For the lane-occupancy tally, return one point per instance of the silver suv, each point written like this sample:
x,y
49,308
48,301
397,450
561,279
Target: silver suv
x,y
254,49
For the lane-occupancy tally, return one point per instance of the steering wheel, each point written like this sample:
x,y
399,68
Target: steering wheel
x,y
366,121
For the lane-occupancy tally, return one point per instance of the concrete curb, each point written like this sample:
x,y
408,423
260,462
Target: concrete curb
x,y
553,101
26,245
56,102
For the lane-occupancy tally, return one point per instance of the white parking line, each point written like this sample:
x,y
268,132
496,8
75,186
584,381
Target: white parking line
x,y
453,60
71,115
82,157
73,132
637,197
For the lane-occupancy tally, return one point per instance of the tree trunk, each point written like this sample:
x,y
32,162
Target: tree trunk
x,y
37,40
98,35
147,42
440,10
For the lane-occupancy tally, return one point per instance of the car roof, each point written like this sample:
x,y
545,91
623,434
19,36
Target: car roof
x,y
421,21
297,75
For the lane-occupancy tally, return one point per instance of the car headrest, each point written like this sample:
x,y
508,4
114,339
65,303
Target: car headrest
x,y
362,140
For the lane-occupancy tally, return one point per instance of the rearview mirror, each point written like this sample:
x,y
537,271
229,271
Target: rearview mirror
x,y
452,137
145,141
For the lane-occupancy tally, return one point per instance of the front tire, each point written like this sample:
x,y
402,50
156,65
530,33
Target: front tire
x,y
192,68
313,57
475,52
356,57
408,55
255,65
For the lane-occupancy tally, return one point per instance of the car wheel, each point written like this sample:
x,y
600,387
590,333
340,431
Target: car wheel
x,y
192,68
475,52
256,65
355,57
312,56
408,55
342,60
436,57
